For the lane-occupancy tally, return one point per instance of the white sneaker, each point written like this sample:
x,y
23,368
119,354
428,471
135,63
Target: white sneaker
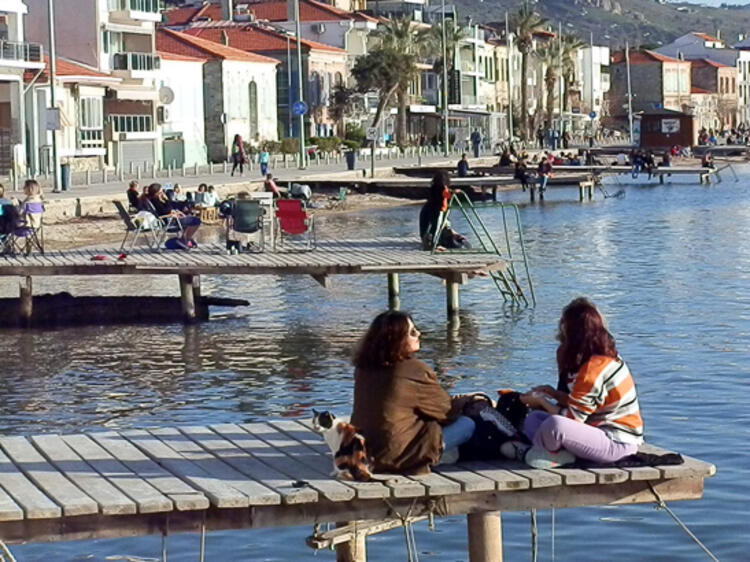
x,y
514,450
537,457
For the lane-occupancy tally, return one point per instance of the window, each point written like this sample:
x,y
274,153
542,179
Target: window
x,y
131,123
90,113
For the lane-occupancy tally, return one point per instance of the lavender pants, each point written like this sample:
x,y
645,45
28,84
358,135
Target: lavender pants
x,y
584,441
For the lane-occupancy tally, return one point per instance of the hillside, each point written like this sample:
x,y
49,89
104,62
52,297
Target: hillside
x,y
641,22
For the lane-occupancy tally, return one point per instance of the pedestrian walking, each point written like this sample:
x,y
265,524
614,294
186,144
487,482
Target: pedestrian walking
x,y
476,141
238,154
263,158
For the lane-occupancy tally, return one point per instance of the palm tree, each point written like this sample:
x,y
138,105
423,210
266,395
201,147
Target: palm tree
x,y
524,25
403,37
549,56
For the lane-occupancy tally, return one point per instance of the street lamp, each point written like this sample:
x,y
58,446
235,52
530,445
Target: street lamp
x,y
300,94
52,72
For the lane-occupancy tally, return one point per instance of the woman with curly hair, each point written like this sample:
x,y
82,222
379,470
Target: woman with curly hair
x,y
596,416
399,406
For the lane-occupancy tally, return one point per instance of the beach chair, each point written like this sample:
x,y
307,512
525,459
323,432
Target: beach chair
x,y
166,225
247,218
29,231
292,219
135,226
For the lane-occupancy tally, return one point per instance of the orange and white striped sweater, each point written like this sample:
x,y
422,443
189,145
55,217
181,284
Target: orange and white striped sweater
x,y
603,394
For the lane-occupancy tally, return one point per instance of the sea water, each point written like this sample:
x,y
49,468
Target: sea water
x,y
668,265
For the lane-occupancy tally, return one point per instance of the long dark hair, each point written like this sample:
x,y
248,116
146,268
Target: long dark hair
x,y
439,181
582,334
384,343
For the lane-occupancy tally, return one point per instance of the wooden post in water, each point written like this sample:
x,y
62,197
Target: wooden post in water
x,y
485,536
25,302
187,298
451,293
353,550
394,299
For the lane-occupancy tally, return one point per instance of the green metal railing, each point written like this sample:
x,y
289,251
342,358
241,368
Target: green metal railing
x,y
507,281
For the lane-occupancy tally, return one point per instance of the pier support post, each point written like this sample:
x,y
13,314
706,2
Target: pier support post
x,y
580,191
394,291
25,302
451,294
353,550
187,298
532,192
485,536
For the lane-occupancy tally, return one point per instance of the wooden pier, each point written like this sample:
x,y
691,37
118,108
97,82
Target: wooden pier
x,y
276,474
385,256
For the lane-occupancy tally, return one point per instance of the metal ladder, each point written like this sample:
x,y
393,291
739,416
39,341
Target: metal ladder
x,y
507,280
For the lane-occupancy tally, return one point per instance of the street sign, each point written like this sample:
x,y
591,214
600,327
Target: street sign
x,y
371,133
299,108
52,119
592,114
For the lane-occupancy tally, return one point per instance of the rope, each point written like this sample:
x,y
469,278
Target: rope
x,y
660,504
202,554
553,534
6,552
534,537
412,552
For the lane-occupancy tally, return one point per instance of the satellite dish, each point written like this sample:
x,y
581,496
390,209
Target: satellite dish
x,y
166,95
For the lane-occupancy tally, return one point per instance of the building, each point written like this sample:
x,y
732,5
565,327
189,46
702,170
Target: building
x,y
705,108
239,91
80,92
721,80
16,55
114,37
592,65
664,128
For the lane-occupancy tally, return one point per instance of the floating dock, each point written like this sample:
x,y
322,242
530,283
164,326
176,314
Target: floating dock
x,y
276,474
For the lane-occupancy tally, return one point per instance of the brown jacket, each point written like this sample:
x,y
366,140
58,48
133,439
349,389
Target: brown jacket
x,y
400,411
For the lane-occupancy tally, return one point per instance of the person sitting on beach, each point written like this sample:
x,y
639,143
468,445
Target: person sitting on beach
x,y
210,199
133,196
399,406
269,185
163,209
177,194
595,415
200,195
505,160
434,215
462,169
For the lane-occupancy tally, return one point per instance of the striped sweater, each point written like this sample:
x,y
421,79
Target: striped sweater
x,y
603,394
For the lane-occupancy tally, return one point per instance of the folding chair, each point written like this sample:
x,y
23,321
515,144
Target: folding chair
x,y
168,224
29,232
292,219
8,223
247,218
135,226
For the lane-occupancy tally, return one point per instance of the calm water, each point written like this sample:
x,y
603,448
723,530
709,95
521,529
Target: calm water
x,y
669,265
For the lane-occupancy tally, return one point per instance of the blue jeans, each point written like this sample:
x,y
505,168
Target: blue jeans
x,y
543,182
457,433
263,168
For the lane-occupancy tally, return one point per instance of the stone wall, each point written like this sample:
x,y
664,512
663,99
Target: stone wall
x,y
213,103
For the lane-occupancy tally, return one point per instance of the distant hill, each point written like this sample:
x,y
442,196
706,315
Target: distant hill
x,y
648,23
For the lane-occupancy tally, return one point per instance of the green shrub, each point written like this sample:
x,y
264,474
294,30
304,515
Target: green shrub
x,y
289,145
355,132
328,144
352,144
272,147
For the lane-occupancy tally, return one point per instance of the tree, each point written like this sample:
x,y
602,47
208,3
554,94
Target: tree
x,y
549,56
407,41
524,25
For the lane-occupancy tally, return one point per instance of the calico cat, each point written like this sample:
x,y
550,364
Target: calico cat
x,y
350,459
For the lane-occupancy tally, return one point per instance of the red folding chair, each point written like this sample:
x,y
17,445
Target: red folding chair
x,y
292,220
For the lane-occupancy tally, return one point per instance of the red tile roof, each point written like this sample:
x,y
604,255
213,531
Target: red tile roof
x,y
174,56
706,37
189,45
309,10
642,57
254,37
709,62
65,70
697,90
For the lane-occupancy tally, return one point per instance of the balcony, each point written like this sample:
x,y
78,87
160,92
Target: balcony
x,y
21,55
90,142
137,10
128,127
135,65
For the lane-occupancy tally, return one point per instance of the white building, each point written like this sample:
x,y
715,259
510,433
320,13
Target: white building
x,y
16,55
182,125
593,67
117,37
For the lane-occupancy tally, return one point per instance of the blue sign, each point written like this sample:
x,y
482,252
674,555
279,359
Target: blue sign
x,y
299,108
592,114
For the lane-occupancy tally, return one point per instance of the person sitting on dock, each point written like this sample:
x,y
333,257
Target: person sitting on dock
x,y
462,169
434,215
707,161
596,416
521,173
163,209
399,406
543,172
505,159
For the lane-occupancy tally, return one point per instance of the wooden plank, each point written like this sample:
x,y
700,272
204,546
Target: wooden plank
x,y
184,496
691,468
503,479
111,500
34,503
274,487
574,476
197,473
9,510
52,482
610,475
299,434
537,478
145,496
469,480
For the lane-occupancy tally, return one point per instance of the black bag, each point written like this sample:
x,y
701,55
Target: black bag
x,y
510,406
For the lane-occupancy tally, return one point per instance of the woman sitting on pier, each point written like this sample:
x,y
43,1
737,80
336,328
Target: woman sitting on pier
x,y
163,208
596,417
434,215
399,406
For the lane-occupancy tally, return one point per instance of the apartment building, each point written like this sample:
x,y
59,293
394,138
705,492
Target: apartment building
x,y
16,55
114,37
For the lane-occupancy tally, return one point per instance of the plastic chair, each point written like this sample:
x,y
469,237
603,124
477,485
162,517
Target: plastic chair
x,y
134,226
29,232
247,218
292,219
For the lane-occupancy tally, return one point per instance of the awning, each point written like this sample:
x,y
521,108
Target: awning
x,y
467,112
135,93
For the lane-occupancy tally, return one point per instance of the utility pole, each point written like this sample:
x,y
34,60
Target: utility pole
x,y
560,89
289,88
445,86
300,94
630,94
509,73
52,73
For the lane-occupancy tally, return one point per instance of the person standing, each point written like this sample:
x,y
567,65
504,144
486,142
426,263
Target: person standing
x,y
238,154
263,158
476,141
540,137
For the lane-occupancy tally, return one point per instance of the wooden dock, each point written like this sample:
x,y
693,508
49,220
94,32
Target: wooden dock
x,y
384,256
258,475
